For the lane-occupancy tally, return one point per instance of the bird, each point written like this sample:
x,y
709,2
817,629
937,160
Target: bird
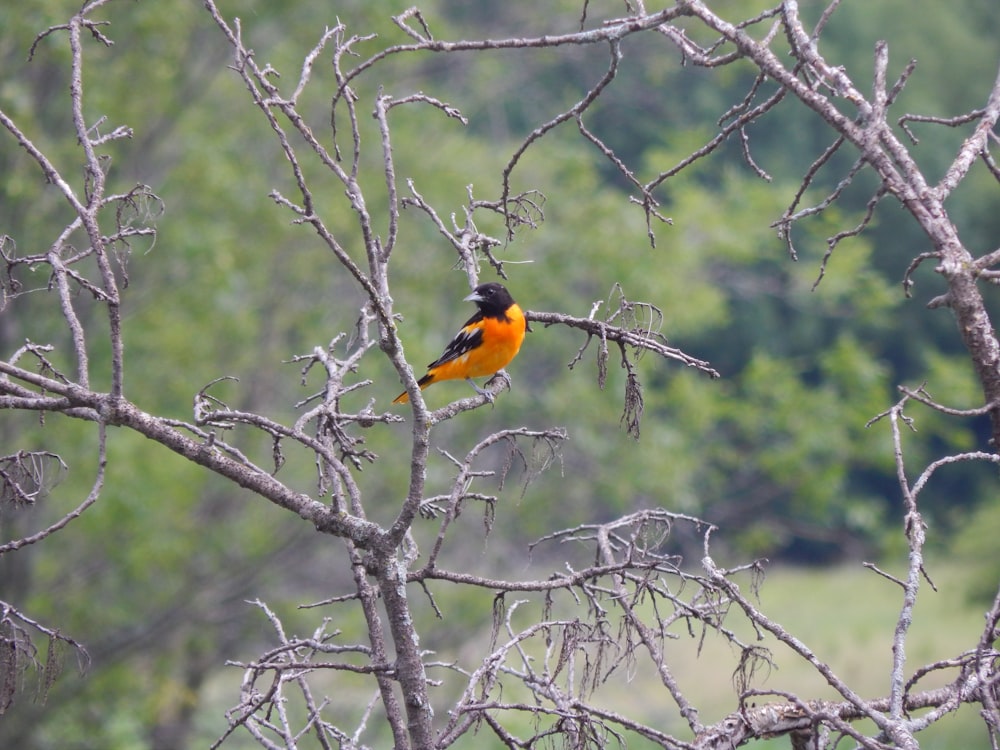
x,y
487,342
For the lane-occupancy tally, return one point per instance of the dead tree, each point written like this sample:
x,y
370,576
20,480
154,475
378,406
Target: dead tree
x,y
538,679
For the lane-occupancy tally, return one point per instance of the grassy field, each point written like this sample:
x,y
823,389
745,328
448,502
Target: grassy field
x,y
846,616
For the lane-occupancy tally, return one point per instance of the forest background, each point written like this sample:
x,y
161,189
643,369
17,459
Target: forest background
x,y
776,452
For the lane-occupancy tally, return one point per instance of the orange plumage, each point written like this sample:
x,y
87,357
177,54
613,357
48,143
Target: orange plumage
x,y
487,342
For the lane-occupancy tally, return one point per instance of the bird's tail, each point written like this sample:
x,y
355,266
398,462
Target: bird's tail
x,y
404,397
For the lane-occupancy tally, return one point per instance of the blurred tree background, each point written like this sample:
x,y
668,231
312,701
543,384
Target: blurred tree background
x,y
154,578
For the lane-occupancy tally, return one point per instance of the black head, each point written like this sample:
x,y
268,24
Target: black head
x,y
492,298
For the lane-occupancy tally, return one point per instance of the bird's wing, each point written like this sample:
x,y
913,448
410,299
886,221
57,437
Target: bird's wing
x,y
467,339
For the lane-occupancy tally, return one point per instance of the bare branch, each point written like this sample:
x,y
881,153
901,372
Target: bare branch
x,y
637,341
559,636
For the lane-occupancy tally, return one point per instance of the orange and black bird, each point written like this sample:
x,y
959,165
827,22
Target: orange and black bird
x,y
487,342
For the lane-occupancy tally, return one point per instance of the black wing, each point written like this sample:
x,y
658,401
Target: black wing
x,y
467,339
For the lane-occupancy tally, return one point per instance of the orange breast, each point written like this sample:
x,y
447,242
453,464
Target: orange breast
x,y
501,343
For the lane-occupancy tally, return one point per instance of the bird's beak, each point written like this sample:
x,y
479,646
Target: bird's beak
x,y
474,297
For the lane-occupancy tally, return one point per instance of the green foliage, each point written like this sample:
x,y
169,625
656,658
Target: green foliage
x,y
776,452
975,548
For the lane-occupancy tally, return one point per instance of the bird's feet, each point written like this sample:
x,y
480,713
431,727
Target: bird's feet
x,y
481,391
490,395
